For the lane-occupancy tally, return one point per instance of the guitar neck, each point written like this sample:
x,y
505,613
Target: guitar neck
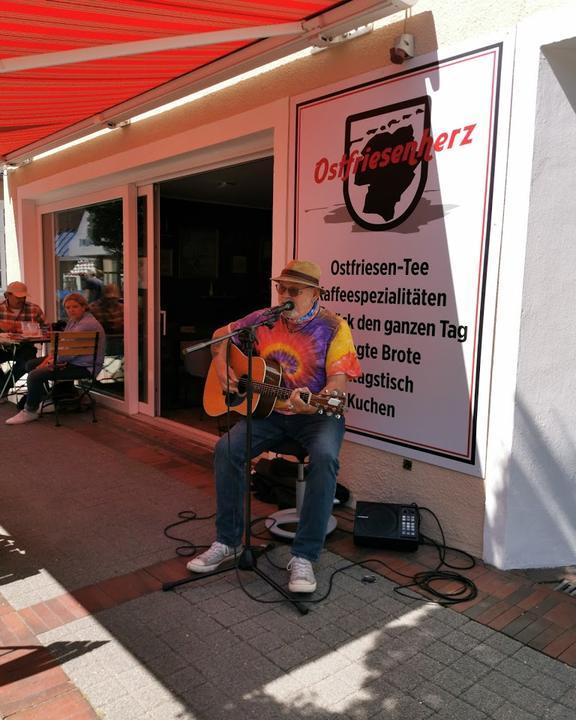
x,y
281,393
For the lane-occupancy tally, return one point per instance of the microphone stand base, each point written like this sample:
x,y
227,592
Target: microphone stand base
x,y
248,562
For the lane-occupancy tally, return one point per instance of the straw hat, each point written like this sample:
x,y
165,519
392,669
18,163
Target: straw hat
x,y
303,272
18,289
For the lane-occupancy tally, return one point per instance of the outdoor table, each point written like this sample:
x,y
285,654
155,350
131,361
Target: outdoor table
x,y
13,341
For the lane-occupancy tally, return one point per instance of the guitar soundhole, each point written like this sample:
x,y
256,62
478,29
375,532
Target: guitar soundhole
x,y
234,399
242,385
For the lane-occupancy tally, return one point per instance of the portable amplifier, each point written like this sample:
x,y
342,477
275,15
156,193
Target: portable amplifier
x,y
387,525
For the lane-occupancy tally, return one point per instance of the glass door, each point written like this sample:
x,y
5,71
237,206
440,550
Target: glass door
x,y
147,303
214,264
83,250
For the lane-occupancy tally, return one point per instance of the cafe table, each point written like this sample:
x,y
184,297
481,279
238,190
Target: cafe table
x,y
11,342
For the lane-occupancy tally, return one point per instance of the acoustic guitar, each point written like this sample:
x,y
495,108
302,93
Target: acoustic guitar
x,y
266,389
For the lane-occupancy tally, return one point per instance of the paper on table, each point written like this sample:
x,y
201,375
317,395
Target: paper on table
x,y
30,329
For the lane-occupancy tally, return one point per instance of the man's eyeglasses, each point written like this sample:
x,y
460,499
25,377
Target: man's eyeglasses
x,y
290,289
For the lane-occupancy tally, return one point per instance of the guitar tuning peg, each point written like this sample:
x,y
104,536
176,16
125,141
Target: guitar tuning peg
x,y
320,411
337,416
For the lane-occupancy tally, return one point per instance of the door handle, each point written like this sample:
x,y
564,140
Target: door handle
x,y
163,322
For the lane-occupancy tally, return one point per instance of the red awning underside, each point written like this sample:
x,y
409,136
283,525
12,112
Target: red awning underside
x,y
34,104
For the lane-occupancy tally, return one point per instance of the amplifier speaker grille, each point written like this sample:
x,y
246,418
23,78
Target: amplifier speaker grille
x,y
387,525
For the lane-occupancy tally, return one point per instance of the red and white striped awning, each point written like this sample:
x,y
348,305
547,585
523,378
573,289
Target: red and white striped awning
x,y
68,67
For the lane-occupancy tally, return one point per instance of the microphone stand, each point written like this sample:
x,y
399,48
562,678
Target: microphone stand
x,y
247,559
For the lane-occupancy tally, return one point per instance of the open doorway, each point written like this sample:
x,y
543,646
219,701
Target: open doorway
x,y
215,250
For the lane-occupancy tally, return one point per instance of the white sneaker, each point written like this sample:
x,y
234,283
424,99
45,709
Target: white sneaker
x,y
24,416
302,578
212,558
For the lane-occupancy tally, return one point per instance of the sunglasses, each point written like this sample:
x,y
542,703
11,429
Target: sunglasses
x,y
290,289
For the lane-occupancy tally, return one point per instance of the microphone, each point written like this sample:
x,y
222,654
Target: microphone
x,y
279,309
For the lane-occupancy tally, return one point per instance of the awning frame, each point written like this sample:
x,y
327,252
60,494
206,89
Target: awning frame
x,y
316,31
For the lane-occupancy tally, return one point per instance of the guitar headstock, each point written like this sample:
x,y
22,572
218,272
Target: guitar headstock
x,y
329,403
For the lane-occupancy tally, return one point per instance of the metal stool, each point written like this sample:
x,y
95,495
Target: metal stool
x,y
277,522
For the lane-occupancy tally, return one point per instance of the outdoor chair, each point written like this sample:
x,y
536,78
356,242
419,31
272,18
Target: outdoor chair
x,y
66,345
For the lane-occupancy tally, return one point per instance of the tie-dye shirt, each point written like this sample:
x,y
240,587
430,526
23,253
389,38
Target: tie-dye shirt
x,y
321,347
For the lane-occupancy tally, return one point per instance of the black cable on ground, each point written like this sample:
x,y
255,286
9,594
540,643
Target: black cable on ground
x,y
425,580
189,548
422,581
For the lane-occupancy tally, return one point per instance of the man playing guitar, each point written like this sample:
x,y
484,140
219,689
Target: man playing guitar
x,y
314,349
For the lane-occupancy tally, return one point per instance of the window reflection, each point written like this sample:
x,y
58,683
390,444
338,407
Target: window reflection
x,y
88,246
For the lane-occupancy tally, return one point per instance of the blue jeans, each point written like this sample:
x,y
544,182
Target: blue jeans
x,y
37,378
320,435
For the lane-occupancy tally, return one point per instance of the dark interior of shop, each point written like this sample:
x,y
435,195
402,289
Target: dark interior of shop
x,y
215,263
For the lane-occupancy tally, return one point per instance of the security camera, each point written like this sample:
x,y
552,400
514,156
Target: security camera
x,y
403,49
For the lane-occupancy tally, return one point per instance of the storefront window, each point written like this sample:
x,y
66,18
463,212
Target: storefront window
x,y
88,249
2,248
142,298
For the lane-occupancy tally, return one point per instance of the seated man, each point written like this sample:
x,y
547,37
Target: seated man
x,y
315,349
14,310
41,370
109,310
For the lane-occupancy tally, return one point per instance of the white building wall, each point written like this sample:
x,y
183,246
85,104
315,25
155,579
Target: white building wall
x,y
541,502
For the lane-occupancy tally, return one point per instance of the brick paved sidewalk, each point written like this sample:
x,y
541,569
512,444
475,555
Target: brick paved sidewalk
x,y
86,631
